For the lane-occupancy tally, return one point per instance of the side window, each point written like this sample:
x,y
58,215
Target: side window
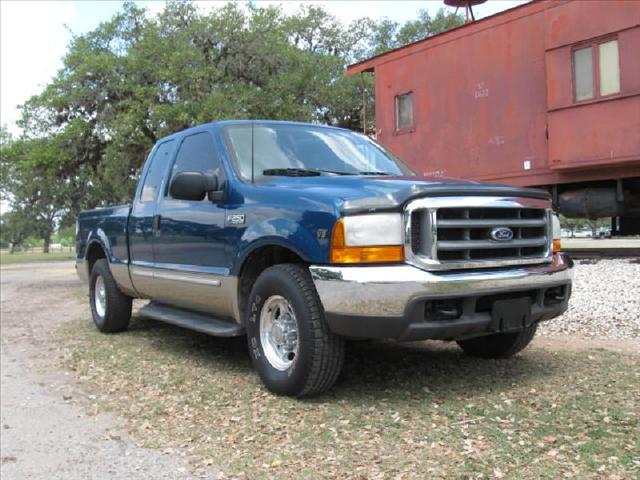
x,y
156,171
404,111
198,153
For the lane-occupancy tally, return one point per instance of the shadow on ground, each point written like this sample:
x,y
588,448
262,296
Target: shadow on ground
x,y
372,369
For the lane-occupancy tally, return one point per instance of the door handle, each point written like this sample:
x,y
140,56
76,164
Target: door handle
x,y
156,224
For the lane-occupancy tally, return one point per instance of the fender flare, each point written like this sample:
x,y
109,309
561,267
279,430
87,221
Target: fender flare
x,y
266,242
99,237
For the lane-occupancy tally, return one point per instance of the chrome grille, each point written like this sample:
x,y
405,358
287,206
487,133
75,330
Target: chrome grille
x,y
465,233
457,232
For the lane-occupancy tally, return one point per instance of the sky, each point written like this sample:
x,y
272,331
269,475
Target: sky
x,y
34,34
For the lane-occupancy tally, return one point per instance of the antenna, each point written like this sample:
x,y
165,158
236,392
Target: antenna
x,y
252,164
468,7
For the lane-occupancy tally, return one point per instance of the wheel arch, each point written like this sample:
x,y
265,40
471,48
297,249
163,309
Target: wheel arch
x,y
95,251
257,260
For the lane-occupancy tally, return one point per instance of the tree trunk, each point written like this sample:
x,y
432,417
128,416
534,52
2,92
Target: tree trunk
x,y
47,242
12,248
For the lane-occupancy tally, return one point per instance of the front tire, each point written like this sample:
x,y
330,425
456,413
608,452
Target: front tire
x,y
110,308
499,345
291,345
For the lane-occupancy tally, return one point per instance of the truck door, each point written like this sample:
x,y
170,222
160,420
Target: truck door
x,y
190,246
141,220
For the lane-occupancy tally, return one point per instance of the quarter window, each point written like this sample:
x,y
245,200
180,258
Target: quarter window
x,y
156,171
596,70
404,111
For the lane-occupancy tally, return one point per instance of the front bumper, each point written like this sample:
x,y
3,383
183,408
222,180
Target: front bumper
x,y
402,302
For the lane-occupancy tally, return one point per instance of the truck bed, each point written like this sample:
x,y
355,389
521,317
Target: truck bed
x,y
110,222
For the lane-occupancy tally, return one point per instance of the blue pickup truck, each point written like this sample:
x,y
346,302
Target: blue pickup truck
x,y
303,236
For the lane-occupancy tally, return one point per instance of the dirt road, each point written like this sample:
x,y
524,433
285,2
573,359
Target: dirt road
x,y
45,433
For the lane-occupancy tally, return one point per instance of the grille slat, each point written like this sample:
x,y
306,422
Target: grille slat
x,y
481,244
467,223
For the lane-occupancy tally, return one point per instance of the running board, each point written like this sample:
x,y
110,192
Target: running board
x,y
193,321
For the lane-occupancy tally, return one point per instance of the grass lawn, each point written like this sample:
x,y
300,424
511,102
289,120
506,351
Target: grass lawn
x,y
419,410
22,257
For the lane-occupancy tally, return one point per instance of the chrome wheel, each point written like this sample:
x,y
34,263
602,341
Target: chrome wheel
x,y
100,297
279,332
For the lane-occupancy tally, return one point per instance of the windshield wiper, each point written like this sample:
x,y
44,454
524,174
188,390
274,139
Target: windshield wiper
x,y
335,172
374,173
291,172
300,172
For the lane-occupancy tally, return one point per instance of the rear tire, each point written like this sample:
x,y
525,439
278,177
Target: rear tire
x,y
110,308
499,345
291,345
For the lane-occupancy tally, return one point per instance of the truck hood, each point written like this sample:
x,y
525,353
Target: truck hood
x,y
358,193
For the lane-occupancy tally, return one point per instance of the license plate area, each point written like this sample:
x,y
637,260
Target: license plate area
x,y
511,314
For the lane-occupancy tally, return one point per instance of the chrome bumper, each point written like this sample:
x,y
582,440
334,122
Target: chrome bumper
x,y
390,292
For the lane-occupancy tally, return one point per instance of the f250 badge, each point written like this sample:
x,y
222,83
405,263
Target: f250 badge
x,y
235,219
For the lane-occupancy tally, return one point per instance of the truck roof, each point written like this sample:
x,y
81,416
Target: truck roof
x,y
223,123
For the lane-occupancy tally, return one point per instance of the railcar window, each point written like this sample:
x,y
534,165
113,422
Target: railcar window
x,y
583,71
404,111
609,68
596,70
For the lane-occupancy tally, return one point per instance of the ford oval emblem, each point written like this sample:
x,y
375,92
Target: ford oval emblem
x,y
502,234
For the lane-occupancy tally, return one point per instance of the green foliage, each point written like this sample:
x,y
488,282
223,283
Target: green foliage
x,y
137,78
389,34
15,229
65,236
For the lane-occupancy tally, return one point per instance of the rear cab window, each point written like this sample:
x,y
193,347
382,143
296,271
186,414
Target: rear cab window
x,y
155,172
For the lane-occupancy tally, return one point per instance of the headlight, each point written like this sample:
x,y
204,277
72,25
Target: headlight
x,y
556,231
371,238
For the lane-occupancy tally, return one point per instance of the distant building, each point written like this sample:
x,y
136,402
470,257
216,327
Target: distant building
x,y
544,94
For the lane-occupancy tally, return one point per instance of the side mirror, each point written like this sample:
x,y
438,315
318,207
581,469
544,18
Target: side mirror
x,y
192,185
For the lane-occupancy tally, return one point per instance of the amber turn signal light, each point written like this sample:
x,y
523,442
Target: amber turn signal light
x,y
556,245
341,253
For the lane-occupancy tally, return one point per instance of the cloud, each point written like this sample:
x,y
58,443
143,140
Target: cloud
x,y
34,38
32,42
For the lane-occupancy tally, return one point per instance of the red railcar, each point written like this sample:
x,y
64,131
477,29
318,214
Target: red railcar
x,y
544,94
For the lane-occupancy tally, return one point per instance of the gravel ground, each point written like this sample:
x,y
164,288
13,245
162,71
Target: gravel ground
x,y
605,301
50,429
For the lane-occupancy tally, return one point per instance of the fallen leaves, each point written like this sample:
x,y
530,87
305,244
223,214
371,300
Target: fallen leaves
x,y
476,419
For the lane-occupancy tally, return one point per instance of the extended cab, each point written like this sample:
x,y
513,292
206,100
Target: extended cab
x,y
301,236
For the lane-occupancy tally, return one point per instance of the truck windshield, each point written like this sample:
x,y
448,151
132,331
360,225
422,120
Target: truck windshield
x,y
306,150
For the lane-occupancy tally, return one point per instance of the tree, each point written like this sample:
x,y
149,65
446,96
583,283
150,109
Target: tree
x,y
33,185
571,224
137,78
387,34
15,228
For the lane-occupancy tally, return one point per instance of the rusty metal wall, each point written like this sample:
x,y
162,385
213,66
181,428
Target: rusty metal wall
x,y
493,100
